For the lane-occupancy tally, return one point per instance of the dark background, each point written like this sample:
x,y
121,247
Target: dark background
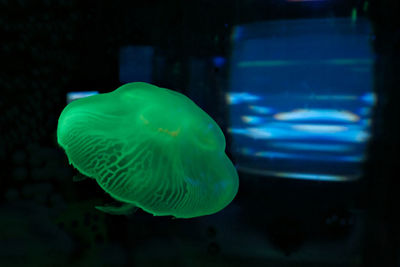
x,y
49,48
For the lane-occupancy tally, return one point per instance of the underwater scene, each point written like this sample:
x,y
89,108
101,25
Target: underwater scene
x,y
199,133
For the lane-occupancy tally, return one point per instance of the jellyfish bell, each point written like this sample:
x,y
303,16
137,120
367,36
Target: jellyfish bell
x,y
151,148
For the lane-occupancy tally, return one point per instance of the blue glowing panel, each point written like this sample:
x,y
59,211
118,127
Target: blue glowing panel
x,y
71,96
301,98
135,63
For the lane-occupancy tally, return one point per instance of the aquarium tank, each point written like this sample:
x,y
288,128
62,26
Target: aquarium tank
x,y
301,97
200,133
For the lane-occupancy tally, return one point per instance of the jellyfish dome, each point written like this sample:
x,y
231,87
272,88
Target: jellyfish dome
x,y
151,148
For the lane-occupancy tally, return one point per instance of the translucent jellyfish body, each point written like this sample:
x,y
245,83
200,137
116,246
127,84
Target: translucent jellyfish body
x,y
151,148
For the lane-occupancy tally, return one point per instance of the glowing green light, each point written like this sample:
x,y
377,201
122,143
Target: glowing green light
x,y
354,15
151,148
365,6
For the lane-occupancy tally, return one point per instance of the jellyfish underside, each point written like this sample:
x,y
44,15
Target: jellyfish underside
x,y
149,148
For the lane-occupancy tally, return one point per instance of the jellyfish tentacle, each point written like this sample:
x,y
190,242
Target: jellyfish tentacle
x,y
124,209
79,177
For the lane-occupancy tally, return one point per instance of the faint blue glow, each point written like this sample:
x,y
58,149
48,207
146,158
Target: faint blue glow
x,y
284,131
364,111
254,133
348,61
135,63
237,98
247,151
315,97
312,146
251,119
334,97
317,114
71,96
369,98
319,128
219,61
240,131
237,33
361,69
308,157
258,133
362,136
312,176
365,122
299,175
305,0
305,104
268,63
286,63
261,109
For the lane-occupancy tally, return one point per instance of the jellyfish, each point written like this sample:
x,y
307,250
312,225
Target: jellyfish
x,y
150,148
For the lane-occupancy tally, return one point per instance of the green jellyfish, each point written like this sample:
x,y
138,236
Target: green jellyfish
x,y
150,148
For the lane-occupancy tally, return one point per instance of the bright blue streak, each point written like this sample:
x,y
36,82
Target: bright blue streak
x,y
302,156
282,131
312,146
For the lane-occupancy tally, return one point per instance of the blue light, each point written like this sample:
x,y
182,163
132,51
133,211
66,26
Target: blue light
x,y
284,131
301,97
317,114
312,176
71,96
237,33
364,111
312,146
308,157
135,63
334,97
237,98
299,175
319,128
219,61
253,120
356,62
369,98
261,109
